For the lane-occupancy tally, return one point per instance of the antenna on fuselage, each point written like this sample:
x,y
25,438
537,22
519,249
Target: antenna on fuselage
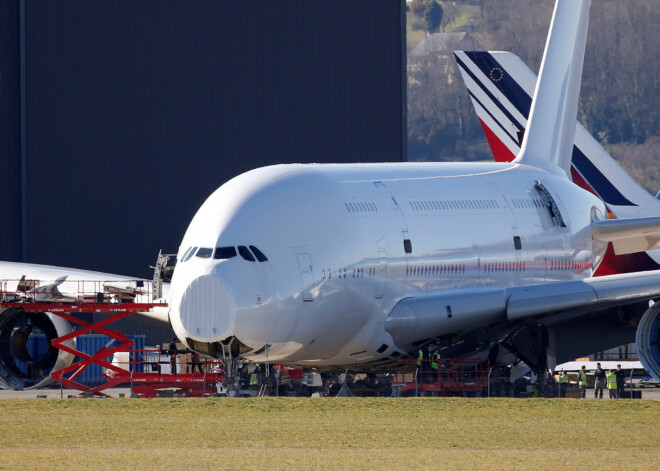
x,y
550,133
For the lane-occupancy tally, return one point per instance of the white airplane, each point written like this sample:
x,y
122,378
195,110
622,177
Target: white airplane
x,y
336,266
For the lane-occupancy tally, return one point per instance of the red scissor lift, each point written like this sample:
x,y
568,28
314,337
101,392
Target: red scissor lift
x,y
189,384
66,298
454,377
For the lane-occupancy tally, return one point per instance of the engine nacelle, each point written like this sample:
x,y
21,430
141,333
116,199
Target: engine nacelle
x,y
648,340
26,355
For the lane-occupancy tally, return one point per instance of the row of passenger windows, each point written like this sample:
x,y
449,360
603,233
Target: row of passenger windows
x,y
448,205
452,269
522,203
367,207
564,265
369,272
505,266
251,254
435,270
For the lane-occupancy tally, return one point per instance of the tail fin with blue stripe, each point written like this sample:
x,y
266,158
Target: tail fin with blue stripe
x,y
501,86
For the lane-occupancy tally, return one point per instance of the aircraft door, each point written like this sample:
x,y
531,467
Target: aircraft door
x,y
306,275
381,273
392,205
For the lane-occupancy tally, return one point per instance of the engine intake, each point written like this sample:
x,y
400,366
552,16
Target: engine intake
x,y
26,355
648,340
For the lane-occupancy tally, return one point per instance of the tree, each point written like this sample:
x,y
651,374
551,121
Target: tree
x,y
417,9
433,16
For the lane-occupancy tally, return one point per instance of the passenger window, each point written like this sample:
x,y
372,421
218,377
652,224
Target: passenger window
x,y
204,252
190,254
245,253
223,253
259,254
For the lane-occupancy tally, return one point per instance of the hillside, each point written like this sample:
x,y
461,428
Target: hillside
x,y
620,103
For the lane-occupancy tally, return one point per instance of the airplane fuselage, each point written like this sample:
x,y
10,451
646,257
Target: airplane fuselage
x,y
344,243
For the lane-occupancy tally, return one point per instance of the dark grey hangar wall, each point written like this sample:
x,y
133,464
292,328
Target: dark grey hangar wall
x,y
120,117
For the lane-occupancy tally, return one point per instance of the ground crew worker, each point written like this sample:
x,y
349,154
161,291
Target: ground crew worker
x,y
435,361
172,351
620,381
611,384
421,356
254,380
564,380
582,382
600,382
196,363
549,383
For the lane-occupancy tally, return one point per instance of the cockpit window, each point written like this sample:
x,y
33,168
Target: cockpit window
x,y
259,254
222,253
185,254
245,253
204,252
191,252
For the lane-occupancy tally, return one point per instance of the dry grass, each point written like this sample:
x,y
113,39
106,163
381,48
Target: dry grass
x,y
339,433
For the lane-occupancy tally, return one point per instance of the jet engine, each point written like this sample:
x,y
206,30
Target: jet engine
x,y
648,340
26,355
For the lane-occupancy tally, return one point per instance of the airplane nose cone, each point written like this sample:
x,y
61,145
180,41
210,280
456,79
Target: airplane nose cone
x,y
207,309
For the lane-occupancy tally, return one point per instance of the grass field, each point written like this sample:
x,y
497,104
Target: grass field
x,y
337,433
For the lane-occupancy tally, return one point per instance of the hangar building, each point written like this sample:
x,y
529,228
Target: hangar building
x,y
118,119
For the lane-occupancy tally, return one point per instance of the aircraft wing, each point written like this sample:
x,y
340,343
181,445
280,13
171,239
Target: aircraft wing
x,y
50,283
25,282
430,315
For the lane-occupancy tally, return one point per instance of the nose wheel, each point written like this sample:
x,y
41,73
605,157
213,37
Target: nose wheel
x,y
231,348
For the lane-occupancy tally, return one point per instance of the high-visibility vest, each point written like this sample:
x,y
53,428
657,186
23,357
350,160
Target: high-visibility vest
x,y
254,379
583,378
611,380
420,357
564,379
434,360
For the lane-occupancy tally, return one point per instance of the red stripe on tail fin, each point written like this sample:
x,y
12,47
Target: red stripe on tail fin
x,y
501,152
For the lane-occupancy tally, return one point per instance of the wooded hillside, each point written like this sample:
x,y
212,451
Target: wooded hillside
x,y
620,103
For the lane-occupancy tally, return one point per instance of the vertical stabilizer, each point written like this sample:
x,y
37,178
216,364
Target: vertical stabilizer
x,y
548,141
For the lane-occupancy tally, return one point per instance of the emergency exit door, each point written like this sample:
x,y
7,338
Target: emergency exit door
x,y
306,275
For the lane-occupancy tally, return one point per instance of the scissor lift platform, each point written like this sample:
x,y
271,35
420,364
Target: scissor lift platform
x,y
92,297
456,376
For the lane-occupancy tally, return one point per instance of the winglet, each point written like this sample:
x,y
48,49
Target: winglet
x,y
548,141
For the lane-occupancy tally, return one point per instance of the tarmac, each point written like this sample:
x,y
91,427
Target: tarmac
x,y
50,393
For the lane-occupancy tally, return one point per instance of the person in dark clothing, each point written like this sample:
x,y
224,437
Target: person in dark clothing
x,y
601,379
550,383
620,380
172,351
196,362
